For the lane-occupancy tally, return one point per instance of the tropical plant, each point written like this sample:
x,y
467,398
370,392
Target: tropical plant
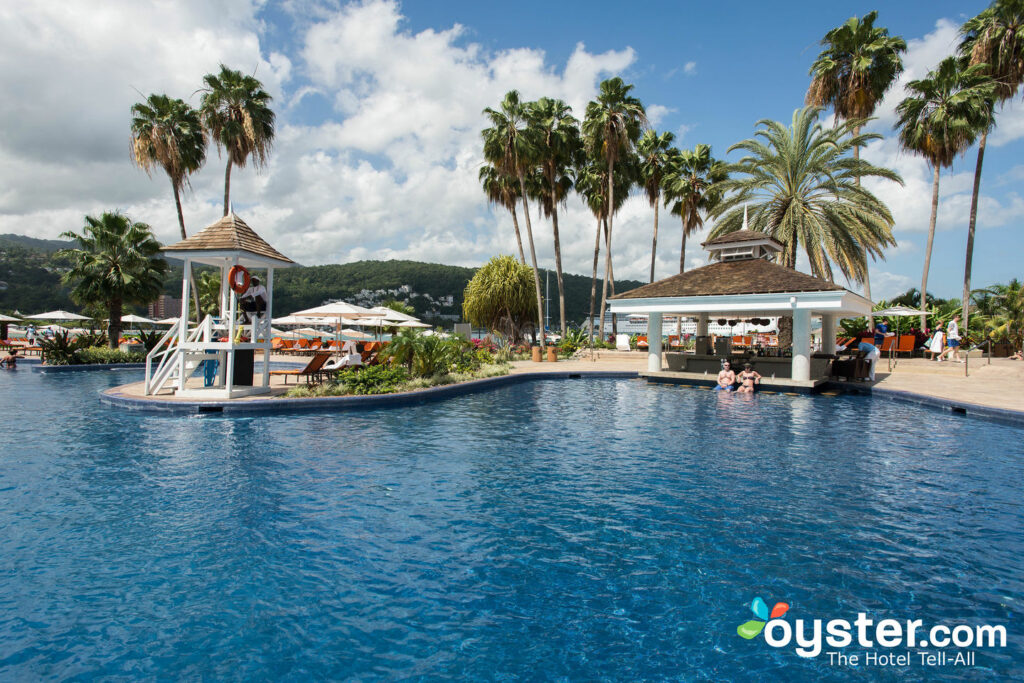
x,y
498,298
559,148
994,40
118,263
149,339
691,180
208,290
611,128
236,111
859,64
940,118
574,339
169,133
656,153
374,379
403,347
1006,324
511,146
434,356
59,349
800,183
503,190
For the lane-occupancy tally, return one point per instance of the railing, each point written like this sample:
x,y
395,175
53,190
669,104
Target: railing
x,y
168,352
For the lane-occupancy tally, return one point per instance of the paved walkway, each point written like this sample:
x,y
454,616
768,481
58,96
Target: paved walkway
x,y
999,385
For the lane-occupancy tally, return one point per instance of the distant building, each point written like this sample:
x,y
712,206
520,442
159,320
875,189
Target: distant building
x,y
164,307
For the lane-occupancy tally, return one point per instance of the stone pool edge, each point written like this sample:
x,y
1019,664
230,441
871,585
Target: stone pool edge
x,y
329,403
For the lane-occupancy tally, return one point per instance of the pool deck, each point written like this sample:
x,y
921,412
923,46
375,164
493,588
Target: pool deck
x,y
992,390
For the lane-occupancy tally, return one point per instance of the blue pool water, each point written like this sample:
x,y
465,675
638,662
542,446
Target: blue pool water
x,y
577,530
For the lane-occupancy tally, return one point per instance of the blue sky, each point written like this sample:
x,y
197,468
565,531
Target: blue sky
x,y
379,115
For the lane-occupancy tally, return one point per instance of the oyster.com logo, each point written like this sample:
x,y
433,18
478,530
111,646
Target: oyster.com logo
x,y
751,629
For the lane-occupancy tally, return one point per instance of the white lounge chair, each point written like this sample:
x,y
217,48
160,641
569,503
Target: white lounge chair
x,y
622,342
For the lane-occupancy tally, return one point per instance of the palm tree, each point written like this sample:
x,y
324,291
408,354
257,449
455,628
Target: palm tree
x,y
995,40
511,146
168,133
1007,321
689,180
503,190
118,262
208,289
858,65
656,152
800,184
236,111
611,128
941,117
592,186
558,136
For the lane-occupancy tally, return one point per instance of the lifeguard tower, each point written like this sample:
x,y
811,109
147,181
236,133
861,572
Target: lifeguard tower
x,y
222,341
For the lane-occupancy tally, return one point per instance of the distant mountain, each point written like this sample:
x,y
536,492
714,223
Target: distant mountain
x,y
47,246
31,271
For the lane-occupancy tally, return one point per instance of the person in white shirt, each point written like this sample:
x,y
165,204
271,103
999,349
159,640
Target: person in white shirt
x,y
953,341
254,301
936,343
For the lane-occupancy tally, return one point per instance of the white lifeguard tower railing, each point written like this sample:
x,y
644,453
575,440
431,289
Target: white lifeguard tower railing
x,y
221,338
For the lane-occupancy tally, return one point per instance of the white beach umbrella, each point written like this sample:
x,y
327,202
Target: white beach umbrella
x,y
300,320
8,319
167,321
412,323
391,314
136,319
897,312
57,315
355,334
338,311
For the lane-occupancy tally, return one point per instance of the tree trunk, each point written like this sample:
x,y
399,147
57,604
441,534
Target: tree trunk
x,y
682,267
970,244
227,186
593,278
519,238
654,240
558,263
867,268
928,248
608,245
533,258
114,324
785,332
611,293
191,272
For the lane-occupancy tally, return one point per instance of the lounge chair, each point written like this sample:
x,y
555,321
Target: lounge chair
x,y
313,372
906,344
622,342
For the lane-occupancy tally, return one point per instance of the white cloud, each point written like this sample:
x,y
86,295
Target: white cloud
x,y
690,68
656,113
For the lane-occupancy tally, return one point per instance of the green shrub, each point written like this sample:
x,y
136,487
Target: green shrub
x,y
104,355
60,350
375,379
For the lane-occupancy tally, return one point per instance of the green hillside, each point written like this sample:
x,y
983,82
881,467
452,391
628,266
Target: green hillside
x,y
30,282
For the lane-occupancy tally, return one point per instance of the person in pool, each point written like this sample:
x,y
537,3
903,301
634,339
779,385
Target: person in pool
x,y
11,359
748,378
726,378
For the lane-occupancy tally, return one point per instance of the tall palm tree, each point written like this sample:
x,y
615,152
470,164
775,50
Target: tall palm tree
x,y
236,111
591,184
859,64
558,136
611,128
656,152
800,185
168,133
941,117
689,181
511,146
118,262
995,39
503,190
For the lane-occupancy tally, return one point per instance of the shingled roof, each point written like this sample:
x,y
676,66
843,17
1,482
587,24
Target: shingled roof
x,y
749,276
740,236
230,233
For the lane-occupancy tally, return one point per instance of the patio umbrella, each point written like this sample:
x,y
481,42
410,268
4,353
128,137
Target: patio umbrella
x,y
136,319
167,321
897,312
57,315
412,323
300,320
338,311
391,314
355,334
8,319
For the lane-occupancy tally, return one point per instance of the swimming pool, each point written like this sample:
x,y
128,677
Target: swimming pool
x,y
577,528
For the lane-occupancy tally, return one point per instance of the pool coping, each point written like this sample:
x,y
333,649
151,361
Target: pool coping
x,y
1005,415
86,367
334,403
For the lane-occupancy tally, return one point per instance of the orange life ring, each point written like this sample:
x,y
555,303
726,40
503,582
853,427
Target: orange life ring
x,y
239,287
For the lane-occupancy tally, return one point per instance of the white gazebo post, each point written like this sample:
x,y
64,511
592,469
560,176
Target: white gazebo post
x,y
801,367
270,321
654,342
828,333
702,325
186,296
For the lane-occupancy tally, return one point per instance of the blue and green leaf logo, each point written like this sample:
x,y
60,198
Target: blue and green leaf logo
x,y
751,629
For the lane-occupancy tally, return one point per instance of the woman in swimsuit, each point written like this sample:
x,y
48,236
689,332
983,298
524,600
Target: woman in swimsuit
x,y
748,378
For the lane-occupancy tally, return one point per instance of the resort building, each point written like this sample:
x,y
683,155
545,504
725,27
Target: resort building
x,y
743,282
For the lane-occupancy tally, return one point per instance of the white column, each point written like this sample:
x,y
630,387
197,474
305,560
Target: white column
x,y
222,312
654,342
801,344
270,323
186,294
828,333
